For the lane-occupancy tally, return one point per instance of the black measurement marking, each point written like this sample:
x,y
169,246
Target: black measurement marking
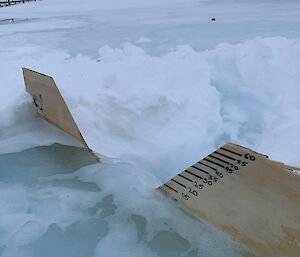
x,y
193,174
248,156
38,102
178,183
207,166
214,163
171,188
185,196
210,177
198,185
219,159
207,181
224,155
241,163
227,150
228,170
200,170
219,174
194,192
185,178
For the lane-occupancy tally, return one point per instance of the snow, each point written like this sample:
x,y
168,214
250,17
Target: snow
x,y
154,86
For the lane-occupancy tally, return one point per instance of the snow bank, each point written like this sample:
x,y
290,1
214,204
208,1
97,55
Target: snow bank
x,y
167,111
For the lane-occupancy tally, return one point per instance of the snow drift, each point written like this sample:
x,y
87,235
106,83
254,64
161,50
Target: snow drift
x,y
166,111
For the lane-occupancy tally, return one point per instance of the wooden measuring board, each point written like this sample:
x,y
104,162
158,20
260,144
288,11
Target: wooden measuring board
x,y
50,104
244,193
254,199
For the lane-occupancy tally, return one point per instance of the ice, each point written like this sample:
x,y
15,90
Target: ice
x,y
154,86
100,210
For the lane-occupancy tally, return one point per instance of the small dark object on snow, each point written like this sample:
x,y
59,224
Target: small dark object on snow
x,y
213,19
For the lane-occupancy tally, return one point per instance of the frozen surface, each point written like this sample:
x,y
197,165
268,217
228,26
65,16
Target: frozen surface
x,y
154,86
79,27
58,207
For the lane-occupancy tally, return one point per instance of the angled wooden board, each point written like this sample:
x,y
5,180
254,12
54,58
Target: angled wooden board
x,y
50,104
250,197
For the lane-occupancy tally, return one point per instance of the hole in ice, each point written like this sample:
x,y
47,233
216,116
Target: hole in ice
x,y
167,243
28,166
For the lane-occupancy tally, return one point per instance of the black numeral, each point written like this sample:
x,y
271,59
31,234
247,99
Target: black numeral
x,y
185,196
249,157
194,192
196,184
219,174
241,162
228,170
205,181
233,166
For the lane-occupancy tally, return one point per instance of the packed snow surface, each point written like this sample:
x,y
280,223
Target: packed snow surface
x,y
154,86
